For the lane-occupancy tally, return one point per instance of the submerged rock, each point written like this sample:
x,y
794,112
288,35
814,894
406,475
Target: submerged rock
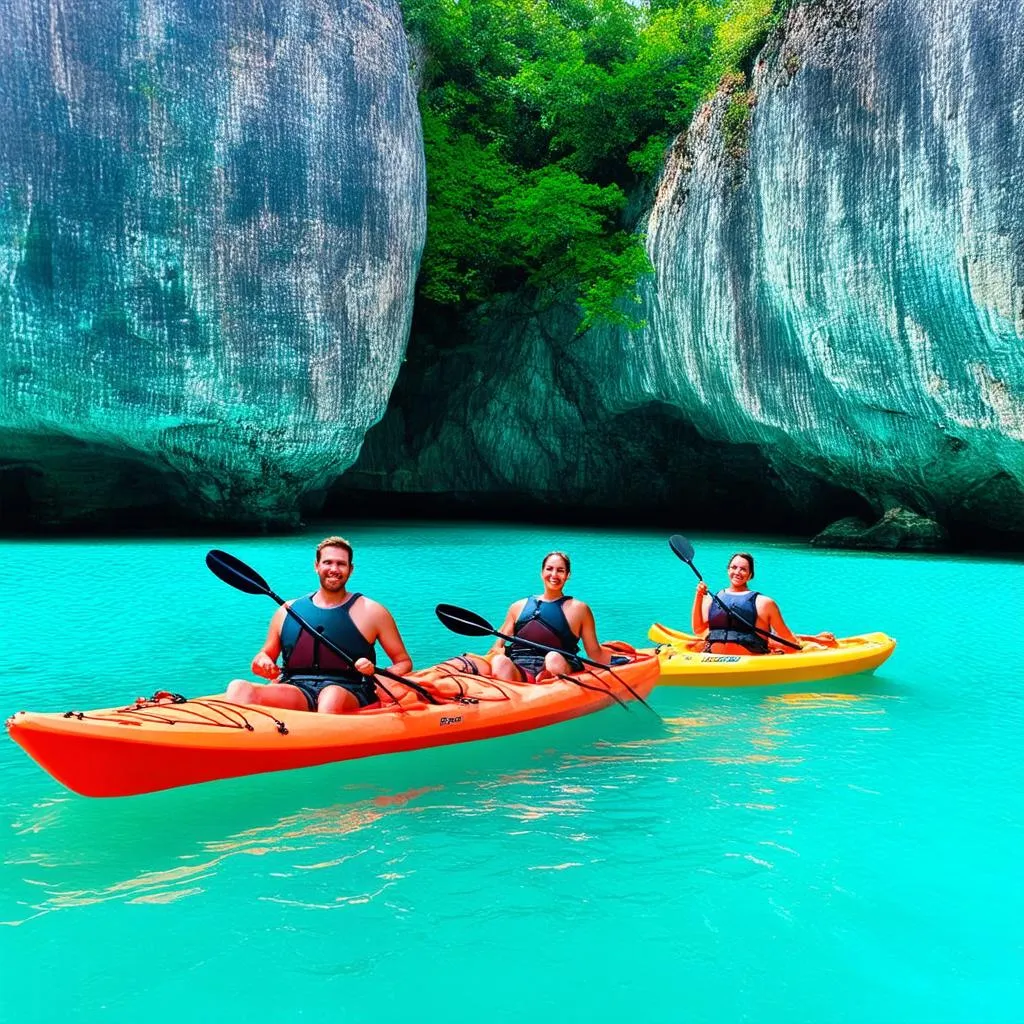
x,y
211,217
897,530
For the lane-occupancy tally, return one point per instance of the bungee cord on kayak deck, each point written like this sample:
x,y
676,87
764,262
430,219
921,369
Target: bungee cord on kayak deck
x,y
168,744
471,668
232,716
478,677
594,689
467,623
448,672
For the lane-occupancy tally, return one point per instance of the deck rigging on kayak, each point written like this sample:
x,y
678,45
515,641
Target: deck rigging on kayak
x,y
158,745
467,623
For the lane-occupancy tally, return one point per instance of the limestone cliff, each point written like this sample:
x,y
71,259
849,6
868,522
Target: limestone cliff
x,y
836,317
211,217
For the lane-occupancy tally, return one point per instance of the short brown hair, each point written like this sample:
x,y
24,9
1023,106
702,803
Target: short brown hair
x,y
333,542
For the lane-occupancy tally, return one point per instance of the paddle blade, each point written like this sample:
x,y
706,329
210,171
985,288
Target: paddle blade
x,y
463,621
681,546
236,573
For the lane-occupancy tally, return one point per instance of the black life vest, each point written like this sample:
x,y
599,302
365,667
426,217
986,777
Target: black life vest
x,y
725,627
543,622
304,654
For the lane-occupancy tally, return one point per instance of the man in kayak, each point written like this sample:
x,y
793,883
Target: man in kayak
x,y
312,677
726,623
553,619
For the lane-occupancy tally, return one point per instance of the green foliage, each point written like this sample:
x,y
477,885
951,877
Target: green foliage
x,y
736,119
467,178
538,116
648,159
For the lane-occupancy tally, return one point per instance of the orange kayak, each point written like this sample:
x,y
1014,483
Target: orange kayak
x,y
169,741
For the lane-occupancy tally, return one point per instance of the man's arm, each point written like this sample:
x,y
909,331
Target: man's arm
x,y
265,662
391,640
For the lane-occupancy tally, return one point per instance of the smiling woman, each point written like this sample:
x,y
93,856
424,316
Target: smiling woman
x,y
741,621
553,618
736,619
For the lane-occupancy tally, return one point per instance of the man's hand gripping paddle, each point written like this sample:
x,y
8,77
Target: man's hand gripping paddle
x,y
242,577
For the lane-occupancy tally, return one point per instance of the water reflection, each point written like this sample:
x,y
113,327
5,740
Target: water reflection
x,y
69,852
173,847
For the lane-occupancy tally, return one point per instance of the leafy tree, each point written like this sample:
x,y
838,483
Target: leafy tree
x,y
539,116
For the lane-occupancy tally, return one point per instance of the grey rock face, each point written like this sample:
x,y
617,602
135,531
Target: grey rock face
x,y
849,295
517,422
211,217
839,297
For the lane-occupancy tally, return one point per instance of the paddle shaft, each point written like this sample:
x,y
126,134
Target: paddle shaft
x,y
467,623
578,657
736,615
593,689
345,656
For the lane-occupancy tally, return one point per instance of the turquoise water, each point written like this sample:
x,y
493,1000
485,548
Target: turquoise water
x,y
844,855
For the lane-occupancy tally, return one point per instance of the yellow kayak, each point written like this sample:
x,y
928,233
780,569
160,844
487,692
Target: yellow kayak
x,y
683,662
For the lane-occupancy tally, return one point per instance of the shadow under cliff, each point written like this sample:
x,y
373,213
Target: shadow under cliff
x,y
491,419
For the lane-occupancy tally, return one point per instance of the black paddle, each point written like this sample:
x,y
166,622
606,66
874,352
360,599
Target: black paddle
x,y
242,577
467,623
472,626
684,550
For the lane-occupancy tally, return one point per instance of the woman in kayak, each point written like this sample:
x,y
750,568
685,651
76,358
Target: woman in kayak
x,y
554,619
735,620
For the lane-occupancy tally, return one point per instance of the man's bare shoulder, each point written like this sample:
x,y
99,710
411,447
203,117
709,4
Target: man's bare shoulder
x,y
368,606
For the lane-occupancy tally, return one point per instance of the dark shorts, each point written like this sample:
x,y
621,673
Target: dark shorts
x,y
363,690
531,665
